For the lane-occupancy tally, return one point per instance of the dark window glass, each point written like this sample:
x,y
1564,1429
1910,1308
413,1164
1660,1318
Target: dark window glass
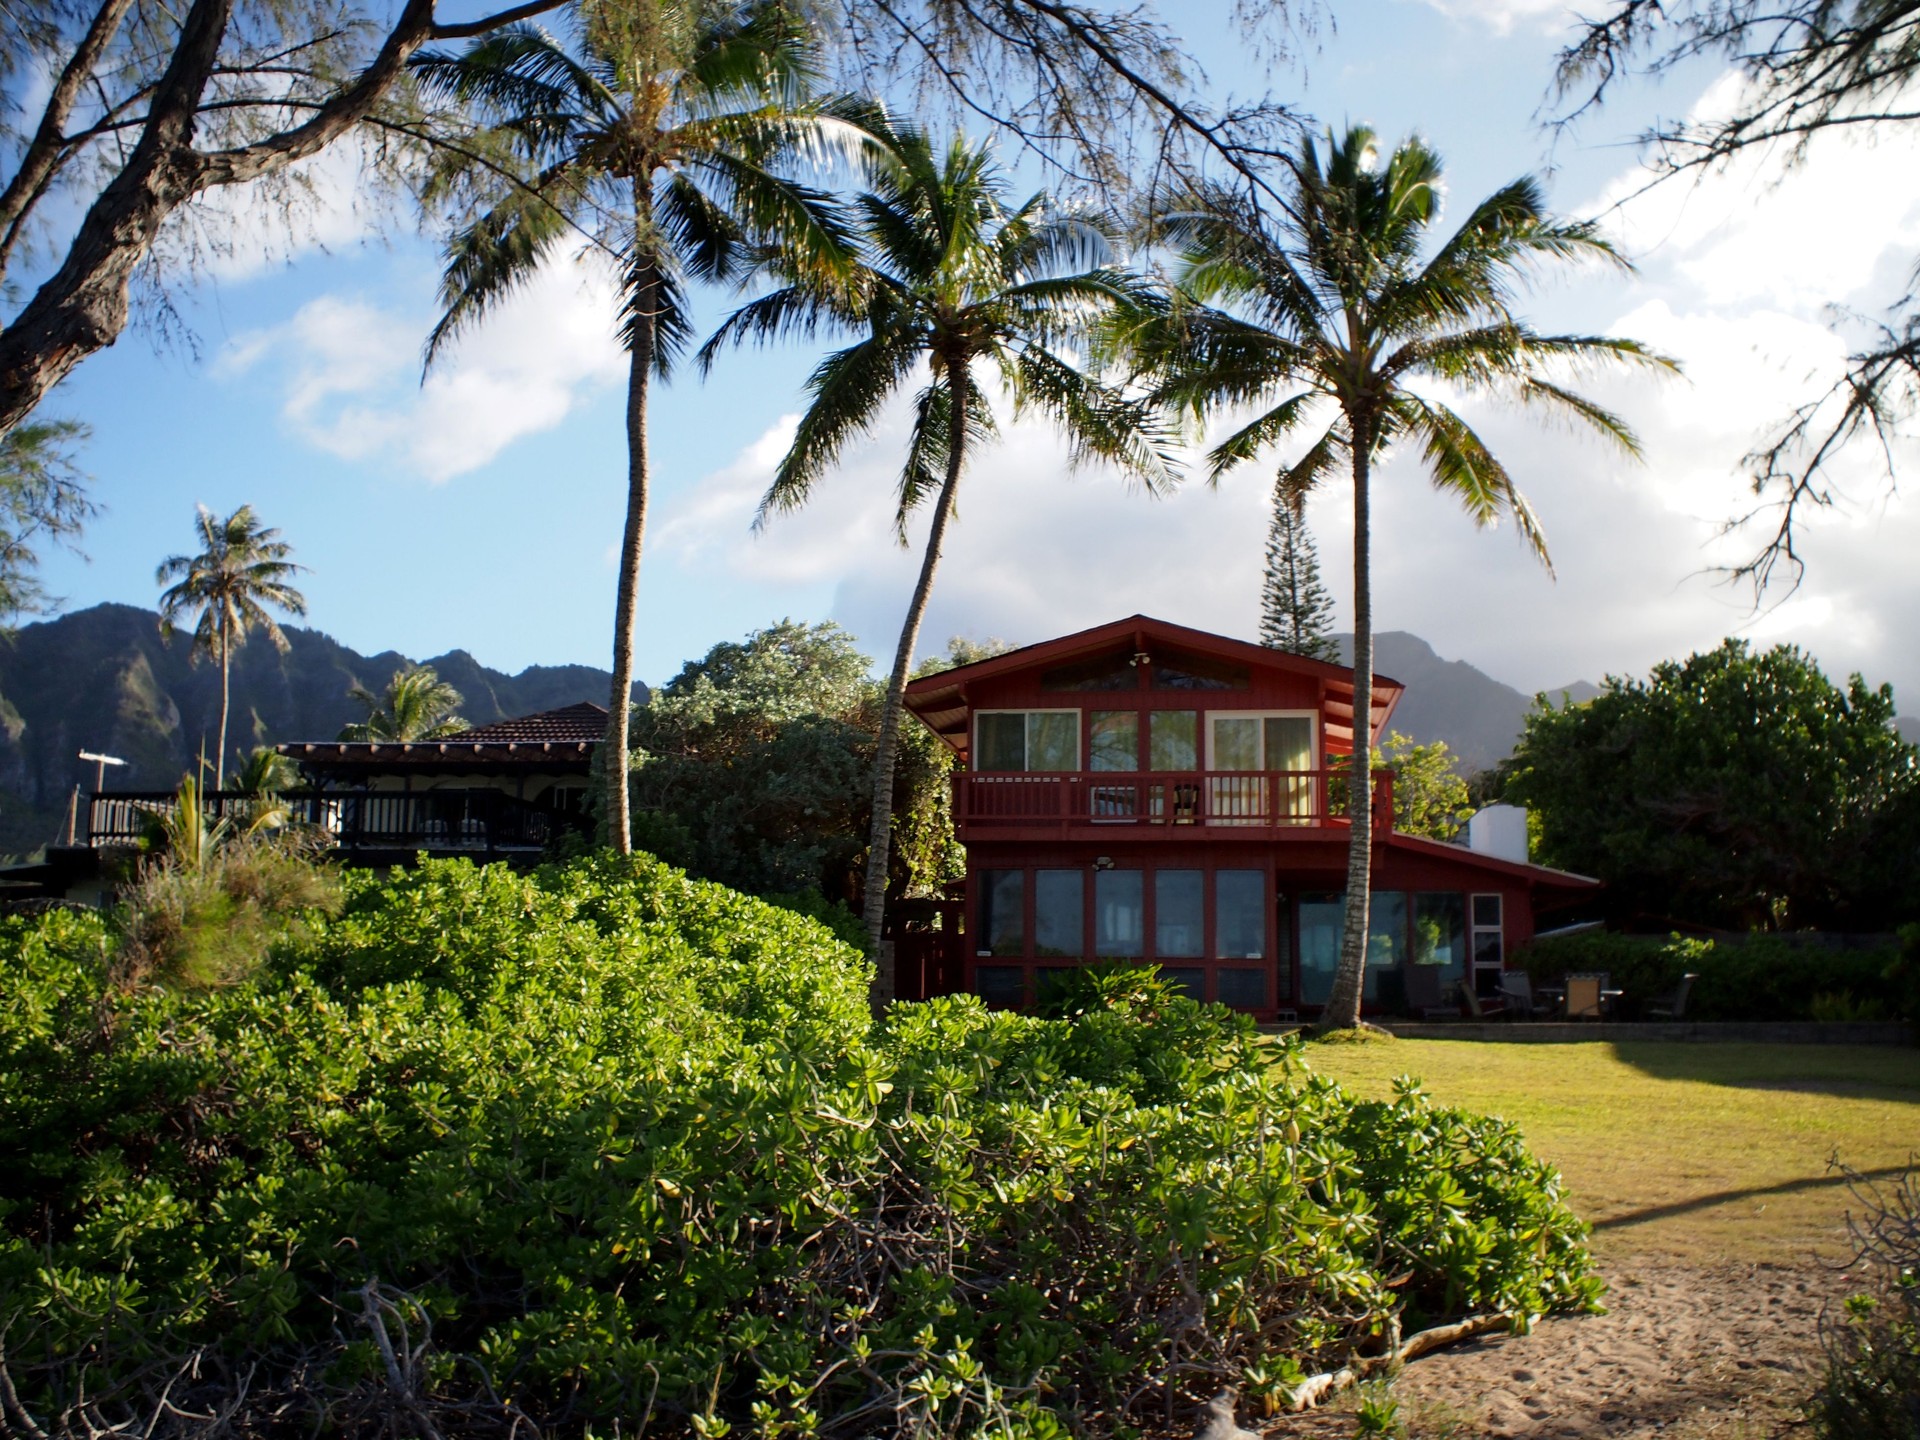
x,y
1179,914
1003,917
1107,672
1486,912
1387,928
1193,981
1242,989
1488,948
1440,932
1113,740
1173,740
1003,987
1283,948
1239,915
1053,740
1321,918
1048,980
1003,743
1118,913
1192,672
1058,912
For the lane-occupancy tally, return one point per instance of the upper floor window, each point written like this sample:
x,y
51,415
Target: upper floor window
x,y
1241,741
1027,740
1105,672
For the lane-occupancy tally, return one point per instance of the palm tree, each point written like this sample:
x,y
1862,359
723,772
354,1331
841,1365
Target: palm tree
x,y
1327,318
241,570
417,705
951,276
658,137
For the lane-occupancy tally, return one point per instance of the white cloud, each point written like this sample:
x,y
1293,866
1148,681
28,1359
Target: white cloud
x,y
349,372
1504,16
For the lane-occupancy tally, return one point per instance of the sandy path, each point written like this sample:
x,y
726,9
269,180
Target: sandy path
x,y
1683,1352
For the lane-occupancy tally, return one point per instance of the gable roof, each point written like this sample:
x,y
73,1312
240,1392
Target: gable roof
x,y
567,735
941,700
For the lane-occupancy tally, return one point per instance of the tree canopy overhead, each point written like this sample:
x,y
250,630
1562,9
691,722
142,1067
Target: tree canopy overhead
x,y
1733,788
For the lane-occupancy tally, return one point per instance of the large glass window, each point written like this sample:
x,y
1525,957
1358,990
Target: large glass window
x,y
1489,941
1179,916
1173,740
1241,989
1003,987
1240,914
1386,928
1321,916
1058,912
1255,742
1440,932
1028,740
1113,740
1003,912
1119,913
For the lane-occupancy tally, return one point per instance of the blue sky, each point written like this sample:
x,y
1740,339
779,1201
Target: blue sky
x,y
481,511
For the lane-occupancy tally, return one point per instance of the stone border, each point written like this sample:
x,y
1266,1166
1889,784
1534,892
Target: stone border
x,y
1765,1032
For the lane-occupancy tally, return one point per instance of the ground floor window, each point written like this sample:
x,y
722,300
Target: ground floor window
x,y
1416,946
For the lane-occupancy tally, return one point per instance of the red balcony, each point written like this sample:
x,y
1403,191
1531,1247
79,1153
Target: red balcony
x,y
1264,802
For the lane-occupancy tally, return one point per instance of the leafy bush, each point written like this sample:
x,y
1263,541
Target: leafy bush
x,y
606,1143
1763,977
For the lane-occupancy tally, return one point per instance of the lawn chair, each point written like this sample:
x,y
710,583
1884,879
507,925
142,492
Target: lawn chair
x,y
1483,1007
1517,986
1674,1007
1427,994
1586,997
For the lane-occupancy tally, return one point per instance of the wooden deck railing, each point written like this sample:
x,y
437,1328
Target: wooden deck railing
x,y
465,820
1257,799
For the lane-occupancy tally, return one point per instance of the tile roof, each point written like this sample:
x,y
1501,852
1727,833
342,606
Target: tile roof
x,y
572,723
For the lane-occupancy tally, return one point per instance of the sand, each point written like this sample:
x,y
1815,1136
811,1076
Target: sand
x,y
1683,1352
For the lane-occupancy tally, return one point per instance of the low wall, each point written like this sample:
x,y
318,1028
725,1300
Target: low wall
x,y
1764,1032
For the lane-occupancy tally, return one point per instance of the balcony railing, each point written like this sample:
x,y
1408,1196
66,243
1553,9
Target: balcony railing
x,y
475,821
1253,799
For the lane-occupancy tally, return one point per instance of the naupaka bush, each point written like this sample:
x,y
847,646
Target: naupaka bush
x,y
604,1144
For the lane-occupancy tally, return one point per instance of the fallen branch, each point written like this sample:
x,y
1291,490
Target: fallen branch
x,y
1315,1388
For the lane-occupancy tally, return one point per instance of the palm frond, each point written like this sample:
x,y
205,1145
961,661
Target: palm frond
x,y
847,390
1461,465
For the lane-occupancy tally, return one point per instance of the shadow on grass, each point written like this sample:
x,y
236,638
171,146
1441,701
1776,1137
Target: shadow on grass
x,y
1727,1197
1855,1072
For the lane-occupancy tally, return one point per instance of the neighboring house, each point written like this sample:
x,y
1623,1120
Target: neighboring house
x,y
1144,791
501,791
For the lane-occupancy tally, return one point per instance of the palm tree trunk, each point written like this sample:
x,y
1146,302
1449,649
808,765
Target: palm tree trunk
x,y
1343,1004
626,605
880,835
220,756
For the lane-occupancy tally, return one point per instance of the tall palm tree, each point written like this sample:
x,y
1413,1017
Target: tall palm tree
x,y
416,705
241,569
1337,320
659,135
952,278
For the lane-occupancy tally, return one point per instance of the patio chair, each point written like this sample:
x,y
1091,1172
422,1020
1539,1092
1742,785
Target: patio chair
x,y
1517,986
1674,1006
1483,1007
1427,993
1586,996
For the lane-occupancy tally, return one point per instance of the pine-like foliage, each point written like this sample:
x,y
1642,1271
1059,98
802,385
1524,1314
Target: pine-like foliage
x,y
1296,611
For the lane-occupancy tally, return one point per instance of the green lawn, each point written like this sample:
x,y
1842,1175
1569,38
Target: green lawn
x,y
1703,1151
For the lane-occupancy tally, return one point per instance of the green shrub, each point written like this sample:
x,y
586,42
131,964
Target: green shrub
x,y
628,1147
1762,977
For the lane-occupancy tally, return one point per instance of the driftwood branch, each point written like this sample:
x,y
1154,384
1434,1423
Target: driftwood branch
x,y
1311,1391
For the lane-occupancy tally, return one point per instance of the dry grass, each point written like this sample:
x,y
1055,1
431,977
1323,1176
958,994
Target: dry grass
x,y
1702,1153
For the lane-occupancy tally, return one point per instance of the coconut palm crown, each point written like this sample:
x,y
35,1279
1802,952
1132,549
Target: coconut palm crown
x,y
1344,331
961,294
417,705
241,569
661,136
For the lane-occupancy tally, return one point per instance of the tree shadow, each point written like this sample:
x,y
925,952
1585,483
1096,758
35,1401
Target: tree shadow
x,y
1837,1179
1855,1072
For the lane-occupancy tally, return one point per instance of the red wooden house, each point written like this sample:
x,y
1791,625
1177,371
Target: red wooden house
x,y
1144,791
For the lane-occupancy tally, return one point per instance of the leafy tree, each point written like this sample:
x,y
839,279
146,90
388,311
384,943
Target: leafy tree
x,y
242,569
1730,788
1809,66
950,276
1327,318
42,497
416,705
1430,795
134,115
1296,612
755,765
658,137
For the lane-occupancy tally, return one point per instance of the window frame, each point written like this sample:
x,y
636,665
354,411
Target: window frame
x,y
1079,739
1312,717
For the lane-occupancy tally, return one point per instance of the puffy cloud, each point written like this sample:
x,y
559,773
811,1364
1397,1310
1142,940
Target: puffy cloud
x,y
349,371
